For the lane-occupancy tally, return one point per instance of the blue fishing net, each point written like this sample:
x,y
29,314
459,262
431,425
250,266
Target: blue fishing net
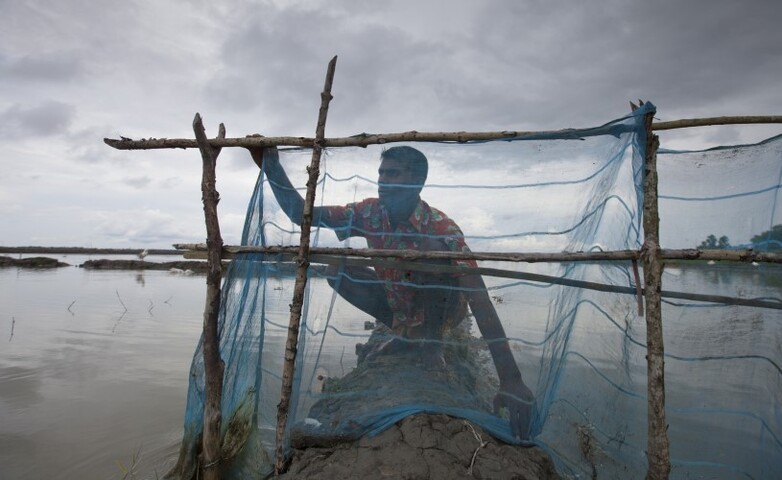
x,y
363,364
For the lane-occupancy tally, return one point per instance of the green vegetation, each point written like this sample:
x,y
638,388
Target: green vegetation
x,y
767,241
712,243
770,239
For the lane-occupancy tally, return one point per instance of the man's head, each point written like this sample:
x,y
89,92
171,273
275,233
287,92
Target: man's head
x,y
410,159
401,177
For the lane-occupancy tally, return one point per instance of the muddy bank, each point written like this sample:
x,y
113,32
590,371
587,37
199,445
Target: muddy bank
x,y
104,264
87,251
424,447
331,444
31,262
193,266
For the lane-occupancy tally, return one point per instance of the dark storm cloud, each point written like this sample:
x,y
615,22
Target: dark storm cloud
x,y
48,118
582,61
508,64
276,62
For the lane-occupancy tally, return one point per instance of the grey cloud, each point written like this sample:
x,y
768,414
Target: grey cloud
x,y
170,182
48,118
138,182
48,67
276,61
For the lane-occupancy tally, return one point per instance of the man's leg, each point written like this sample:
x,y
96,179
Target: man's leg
x,y
359,286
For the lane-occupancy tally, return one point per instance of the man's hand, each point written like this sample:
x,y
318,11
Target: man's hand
x,y
518,399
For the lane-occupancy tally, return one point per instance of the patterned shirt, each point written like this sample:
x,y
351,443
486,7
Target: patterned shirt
x,y
369,219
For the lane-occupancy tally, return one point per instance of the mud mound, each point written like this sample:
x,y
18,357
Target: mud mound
x,y
423,447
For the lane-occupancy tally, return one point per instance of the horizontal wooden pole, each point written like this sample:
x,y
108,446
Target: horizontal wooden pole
x,y
706,122
620,255
159,143
502,273
364,139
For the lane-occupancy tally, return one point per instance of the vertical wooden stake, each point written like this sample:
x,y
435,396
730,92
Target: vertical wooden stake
x,y
302,260
213,364
657,442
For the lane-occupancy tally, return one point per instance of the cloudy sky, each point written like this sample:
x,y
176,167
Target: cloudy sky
x,y
75,71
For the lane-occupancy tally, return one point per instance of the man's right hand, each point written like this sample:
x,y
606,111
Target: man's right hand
x,y
518,399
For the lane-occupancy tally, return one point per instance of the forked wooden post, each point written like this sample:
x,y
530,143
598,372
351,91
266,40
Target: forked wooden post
x,y
658,453
302,260
213,364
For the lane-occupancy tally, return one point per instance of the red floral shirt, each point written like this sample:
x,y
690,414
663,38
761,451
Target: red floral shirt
x,y
369,219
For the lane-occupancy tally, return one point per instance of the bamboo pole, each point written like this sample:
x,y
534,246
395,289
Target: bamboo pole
x,y
213,364
748,255
364,140
291,344
658,451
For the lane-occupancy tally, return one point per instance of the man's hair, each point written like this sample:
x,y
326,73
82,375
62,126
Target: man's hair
x,y
412,159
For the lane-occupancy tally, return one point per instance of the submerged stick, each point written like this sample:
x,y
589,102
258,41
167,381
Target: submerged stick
x,y
213,364
120,301
291,344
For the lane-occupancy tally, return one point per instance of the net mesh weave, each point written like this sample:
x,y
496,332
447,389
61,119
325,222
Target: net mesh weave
x,y
581,352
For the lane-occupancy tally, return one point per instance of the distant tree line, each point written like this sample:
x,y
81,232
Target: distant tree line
x,y
712,243
768,240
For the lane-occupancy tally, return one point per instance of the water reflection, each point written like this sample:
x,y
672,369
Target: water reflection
x,y
96,363
95,368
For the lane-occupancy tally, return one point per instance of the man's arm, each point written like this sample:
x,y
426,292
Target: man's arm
x,y
290,200
514,394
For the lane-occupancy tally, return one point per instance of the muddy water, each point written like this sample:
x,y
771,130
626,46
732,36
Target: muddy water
x,y
93,370
94,364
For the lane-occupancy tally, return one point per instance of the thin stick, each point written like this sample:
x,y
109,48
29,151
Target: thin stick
x,y
638,288
291,344
120,301
748,255
213,365
364,140
657,435
481,444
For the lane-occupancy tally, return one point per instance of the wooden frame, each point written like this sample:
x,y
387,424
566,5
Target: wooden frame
x,y
651,254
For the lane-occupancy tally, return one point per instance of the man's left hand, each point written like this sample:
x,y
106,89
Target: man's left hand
x,y
518,399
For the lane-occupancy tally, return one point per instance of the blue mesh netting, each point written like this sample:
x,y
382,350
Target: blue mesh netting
x,y
580,351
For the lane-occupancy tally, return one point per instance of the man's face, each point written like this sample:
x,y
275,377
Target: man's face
x,y
391,174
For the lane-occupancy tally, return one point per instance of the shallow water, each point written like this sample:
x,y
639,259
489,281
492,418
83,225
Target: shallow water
x,y
93,369
94,364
